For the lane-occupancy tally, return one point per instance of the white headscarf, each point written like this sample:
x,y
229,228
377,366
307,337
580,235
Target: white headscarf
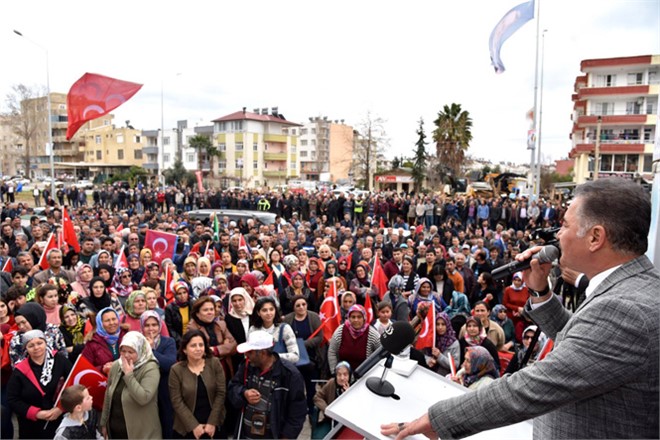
x,y
139,343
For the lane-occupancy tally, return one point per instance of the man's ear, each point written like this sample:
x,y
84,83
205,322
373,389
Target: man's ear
x,y
597,238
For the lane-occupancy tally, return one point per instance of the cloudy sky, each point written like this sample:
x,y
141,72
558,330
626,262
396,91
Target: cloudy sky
x,y
400,61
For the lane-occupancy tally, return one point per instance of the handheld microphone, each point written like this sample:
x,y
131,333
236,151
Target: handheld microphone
x,y
546,255
396,337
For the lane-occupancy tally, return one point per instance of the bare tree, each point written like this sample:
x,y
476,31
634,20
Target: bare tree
x,y
370,141
22,115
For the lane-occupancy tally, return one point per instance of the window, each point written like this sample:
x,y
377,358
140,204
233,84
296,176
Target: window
x,y
239,164
647,134
190,157
653,77
99,154
619,162
237,125
222,164
293,149
303,153
648,163
604,108
255,147
632,163
166,157
222,147
106,122
120,154
605,80
303,142
120,138
313,130
255,164
314,142
635,78
634,107
303,131
292,165
293,131
137,154
220,126
138,139
166,140
97,139
239,146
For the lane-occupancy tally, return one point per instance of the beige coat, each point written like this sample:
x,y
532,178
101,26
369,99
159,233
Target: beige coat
x,y
139,400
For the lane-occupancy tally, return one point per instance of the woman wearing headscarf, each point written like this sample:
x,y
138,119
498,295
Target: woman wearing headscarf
x,y
354,341
400,306
344,270
475,336
34,384
164,349
98,299
122,286
107,273
136,305
145,257
177,313
499,316
521,351
459,305
241,306
220,288
130,407
330,271
31,316
103,347
446,344
84,275
204,267
424,294
295,289
250,283
137,271
361,285
515,298
333,389
479,368
72,328
313,276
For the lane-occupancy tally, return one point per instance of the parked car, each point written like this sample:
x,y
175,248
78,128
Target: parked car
x,y
84,184
204,215
123,184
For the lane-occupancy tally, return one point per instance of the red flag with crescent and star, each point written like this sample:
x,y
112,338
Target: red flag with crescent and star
x,y
8,266
378,278
68,232
84,373
161,244
426,338
122,261
50,244
93,96
329,312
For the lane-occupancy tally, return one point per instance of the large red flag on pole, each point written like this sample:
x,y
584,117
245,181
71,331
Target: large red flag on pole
x,y
329,312
379,279
161,244
122,262
8,266
50,244
68,233
84,373
426,338
93,96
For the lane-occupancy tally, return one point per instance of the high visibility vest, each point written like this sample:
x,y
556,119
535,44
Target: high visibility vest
x,y
358,206
263,205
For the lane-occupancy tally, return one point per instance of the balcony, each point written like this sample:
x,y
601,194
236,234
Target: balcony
x,y
275,156
613,91
275,138
614,119
274,173
152,149
222,155
150,166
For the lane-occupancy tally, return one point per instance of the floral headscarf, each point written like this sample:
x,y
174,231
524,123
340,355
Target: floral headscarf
x,y
481,364
443,342
151,314
139,343
77,329
84,284
118,287
474,340
131,299
347,324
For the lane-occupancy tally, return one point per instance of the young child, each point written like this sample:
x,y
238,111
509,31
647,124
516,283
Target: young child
x,y
384,315
81,420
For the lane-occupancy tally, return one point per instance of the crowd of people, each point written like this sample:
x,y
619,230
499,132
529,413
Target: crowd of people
x,y
201,345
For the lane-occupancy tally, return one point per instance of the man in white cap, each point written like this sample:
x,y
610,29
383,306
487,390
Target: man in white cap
x,y
269,391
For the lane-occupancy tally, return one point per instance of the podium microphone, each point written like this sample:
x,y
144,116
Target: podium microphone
x,y
547,254
396,337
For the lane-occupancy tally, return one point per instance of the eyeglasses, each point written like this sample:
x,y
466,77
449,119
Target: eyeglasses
x,y
527,337
125,276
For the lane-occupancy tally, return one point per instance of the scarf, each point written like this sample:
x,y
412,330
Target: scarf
x,y
474,340
110,269
443,342
131,299
76,331
356,333
249,303
118,287
49,361
110,339
481,364
151,314
99,302
495,313
85,285
34,314
139,343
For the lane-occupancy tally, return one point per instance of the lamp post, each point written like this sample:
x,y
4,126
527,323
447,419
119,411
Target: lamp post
x,y
539,133
49,146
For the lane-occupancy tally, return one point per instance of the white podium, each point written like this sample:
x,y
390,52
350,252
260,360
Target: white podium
x,y
364,412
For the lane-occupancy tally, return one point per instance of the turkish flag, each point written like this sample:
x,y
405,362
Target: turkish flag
x,y
93,96
84,373
122,262
169,293
68,233
369,308
426,338
120,227
8,267
161,244
51,244
242,244
378,278
546,349
381,225
329,313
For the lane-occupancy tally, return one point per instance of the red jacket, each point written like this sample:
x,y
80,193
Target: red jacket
x,y
390,268
97,351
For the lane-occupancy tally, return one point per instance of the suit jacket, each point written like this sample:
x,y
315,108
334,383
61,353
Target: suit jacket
x,y
44,276
601,379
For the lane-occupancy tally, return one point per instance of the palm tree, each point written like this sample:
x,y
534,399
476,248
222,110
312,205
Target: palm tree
x,y
201,144
452,136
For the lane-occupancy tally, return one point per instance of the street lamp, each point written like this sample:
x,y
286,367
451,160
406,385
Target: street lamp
x,y
50,129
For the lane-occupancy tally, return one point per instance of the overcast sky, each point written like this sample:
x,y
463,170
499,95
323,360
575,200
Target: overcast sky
x,y
340,59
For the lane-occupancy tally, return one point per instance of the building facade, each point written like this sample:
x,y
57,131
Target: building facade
x,y
619,98
326,149
256,149
11,150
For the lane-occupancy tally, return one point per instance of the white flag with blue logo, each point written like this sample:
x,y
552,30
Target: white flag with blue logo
x,y
510,23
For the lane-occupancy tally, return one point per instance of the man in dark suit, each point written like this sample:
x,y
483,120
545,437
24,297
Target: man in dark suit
x,y
601,379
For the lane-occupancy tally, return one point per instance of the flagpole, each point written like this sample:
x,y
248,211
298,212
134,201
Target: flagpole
x,y
536,178
540,110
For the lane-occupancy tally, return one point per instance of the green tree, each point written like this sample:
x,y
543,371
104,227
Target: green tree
x,y
179,175
202,144
419,164
452,136
396,163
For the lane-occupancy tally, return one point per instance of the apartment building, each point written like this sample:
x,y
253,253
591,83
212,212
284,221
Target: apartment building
x,y
256,149
617,97
326,149
11,150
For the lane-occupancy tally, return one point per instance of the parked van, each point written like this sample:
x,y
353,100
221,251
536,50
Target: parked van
x,y
204,215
